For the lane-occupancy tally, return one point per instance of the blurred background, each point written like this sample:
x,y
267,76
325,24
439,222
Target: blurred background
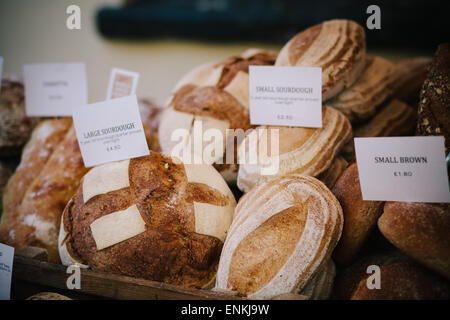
x,y
162,40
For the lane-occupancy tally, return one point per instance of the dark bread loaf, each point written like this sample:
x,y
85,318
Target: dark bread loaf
x,y
434,106
151,217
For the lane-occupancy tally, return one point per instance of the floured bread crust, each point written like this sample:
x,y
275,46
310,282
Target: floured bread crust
x,y
308,151
282,234
217,94
184,210
337,46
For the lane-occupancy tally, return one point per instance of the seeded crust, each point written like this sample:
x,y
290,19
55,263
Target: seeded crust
x,y
360,217
169,250
434,106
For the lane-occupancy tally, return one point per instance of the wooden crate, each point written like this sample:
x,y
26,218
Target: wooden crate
x,y
33,274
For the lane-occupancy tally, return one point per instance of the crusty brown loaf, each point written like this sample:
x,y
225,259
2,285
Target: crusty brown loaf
x,y
396,118
15,126
337,46
411,75
37,194
401,279
282,233
421,230
434,106
360,216
171,248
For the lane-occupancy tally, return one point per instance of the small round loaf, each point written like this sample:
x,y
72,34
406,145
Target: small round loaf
x,y
151,217
337,46
434,105
15,126
376,84
217,95
282,234
421,230
360,216
308,151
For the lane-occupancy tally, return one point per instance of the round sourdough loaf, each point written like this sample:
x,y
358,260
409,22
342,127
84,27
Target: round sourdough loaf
x,y
376,84
151,217
217,95
337,46
421,230
283,233
308,151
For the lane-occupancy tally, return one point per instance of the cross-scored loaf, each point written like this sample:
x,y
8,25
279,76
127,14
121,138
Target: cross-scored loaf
x,y
337,46
308,151
372,88
216,94
282,233
151,217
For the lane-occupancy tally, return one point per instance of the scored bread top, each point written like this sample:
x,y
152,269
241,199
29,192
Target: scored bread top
x,y
282,233
308,151
337,46
176,217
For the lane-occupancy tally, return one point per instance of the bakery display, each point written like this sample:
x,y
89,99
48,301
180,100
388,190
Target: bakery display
x,y
308,151
152,217
217,95
337,46
400,279
15,126
420,230
434,105
360,216
282,234
371,89
411,75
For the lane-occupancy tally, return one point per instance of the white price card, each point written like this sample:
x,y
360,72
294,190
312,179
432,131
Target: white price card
x,y
410,169
110,131
122,83
53,89
6,265
285,96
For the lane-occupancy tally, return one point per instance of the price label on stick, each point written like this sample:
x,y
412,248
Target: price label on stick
x,y
122,83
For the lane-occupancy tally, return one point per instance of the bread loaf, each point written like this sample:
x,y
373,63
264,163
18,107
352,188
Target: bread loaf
x,y
400,279
308,151
332,174
283,233
37,193
217,95
421,230
337,46
15,126
376,83
151,217
411,73
434,106
360,216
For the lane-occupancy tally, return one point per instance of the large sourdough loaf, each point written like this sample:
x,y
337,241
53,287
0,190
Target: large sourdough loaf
x,y
337,46
217,95
308,151
282,234
151,217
